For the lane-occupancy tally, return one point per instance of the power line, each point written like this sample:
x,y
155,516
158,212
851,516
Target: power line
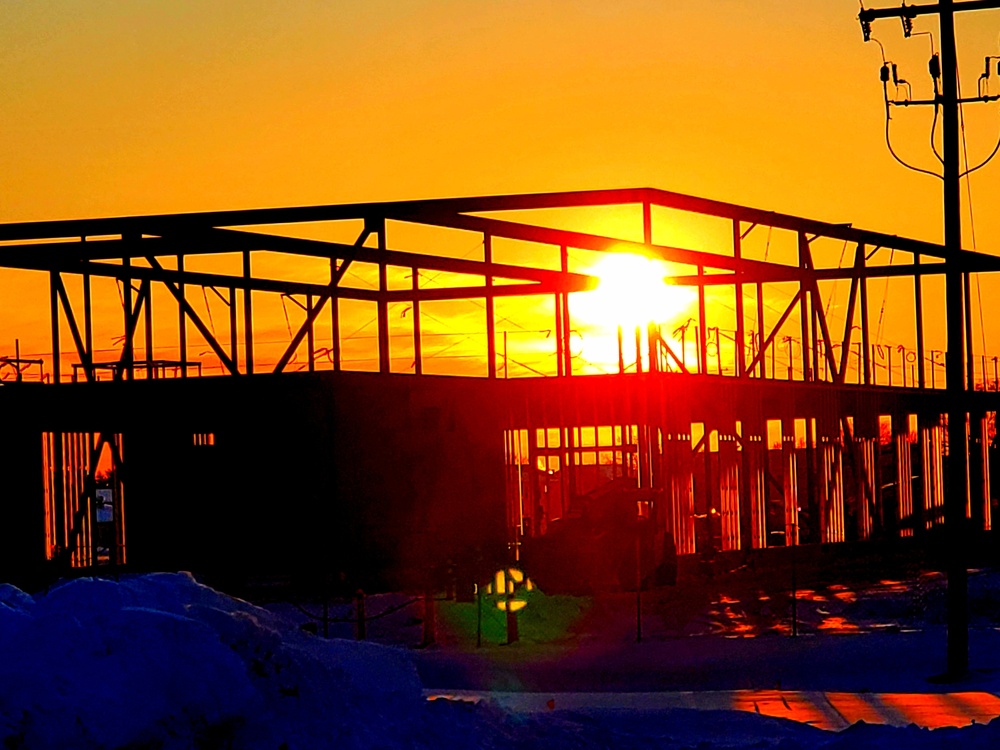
x,y
972,216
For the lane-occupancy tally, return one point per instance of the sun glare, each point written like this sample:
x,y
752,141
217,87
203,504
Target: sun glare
x,y
631,292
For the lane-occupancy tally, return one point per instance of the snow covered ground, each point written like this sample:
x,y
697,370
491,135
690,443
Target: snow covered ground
x,y
160,661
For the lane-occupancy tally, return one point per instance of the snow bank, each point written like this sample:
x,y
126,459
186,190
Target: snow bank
x,y
160,661
163,661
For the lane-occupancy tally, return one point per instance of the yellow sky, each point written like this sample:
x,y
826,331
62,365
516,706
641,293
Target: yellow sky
x,y
113,108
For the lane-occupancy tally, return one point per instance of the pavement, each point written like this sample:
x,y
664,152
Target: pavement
x,y
823,710
865,651
878,664
857,663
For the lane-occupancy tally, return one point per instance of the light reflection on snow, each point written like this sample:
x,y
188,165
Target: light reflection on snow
x,y
836,623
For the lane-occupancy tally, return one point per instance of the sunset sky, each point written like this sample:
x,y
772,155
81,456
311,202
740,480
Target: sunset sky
x,y
113,108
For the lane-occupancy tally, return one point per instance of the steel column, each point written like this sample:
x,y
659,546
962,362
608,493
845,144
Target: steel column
x,y
335,317
567,353
760,333
129,372
310,335
865,336
491,333
384,357
233,333
54,281
418,356
702,327
739,352
182,319
148,332
88,322
247,316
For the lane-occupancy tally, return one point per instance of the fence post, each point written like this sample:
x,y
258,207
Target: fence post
x,y
512,635
360,627
479,615
429,627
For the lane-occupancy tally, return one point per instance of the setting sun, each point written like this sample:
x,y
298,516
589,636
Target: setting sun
x,y
631,292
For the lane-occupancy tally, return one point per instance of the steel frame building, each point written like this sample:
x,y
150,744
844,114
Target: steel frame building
x,y
726,450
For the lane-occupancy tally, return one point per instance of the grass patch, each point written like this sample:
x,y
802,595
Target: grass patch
x,y
545,619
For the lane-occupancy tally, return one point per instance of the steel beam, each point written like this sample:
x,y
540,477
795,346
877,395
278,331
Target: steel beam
x,y
912,11
164,224
558,237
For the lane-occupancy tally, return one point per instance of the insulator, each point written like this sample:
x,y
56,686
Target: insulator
x,y
895,76
934,66
866,30
907,26
987,73
883,74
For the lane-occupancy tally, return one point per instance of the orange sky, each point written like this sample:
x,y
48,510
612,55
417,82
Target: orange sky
x,y
114,108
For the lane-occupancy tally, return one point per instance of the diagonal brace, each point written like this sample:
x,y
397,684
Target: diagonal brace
x,y
202,328
131,324
774,331
85,356
317,308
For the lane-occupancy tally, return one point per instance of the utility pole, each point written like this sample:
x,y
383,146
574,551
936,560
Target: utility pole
x,y
957,492
958,444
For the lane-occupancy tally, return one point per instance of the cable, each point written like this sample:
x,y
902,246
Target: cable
x,y
972,216
888,141
288,323
934,129
934,68
881,48
462,340
996,147
833,293
356,331
476,303
927,34
983,163
211,321
885,98
431,279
